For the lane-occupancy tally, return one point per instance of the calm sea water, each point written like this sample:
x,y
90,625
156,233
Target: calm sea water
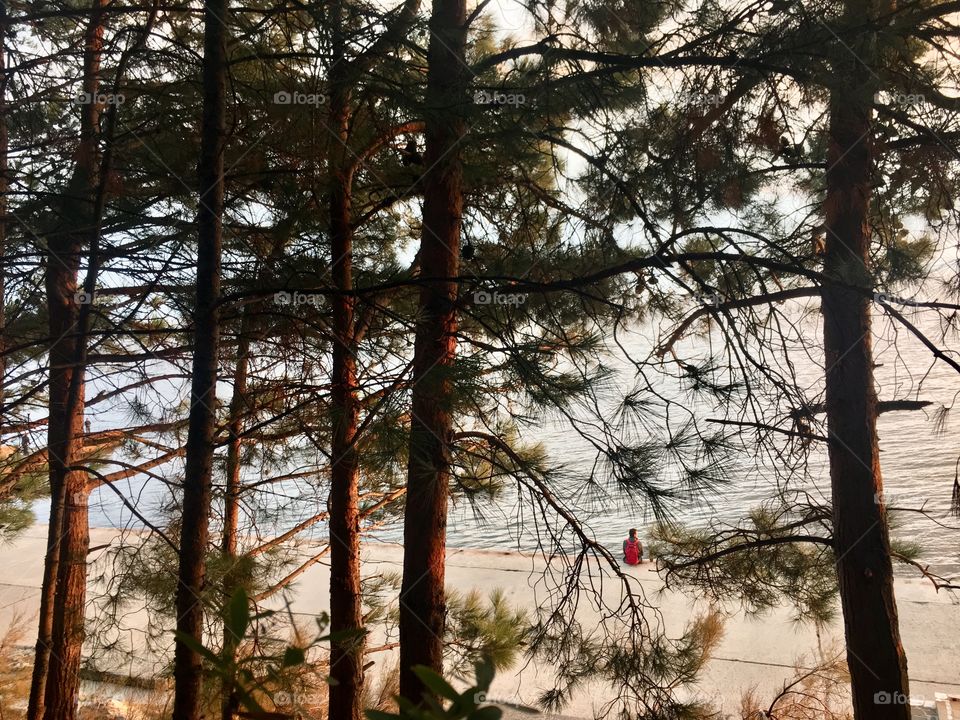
x,y
918,462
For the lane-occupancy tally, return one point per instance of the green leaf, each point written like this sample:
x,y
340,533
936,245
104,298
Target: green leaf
x,y
377,715
484,671
487,713
436,684
238,615
405,705
432,705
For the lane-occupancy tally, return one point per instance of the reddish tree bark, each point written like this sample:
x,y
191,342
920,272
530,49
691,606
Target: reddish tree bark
x,y
346,602
231,501
422,602
878,666
194,534
231,507
250,331
55,682
346,609
346,662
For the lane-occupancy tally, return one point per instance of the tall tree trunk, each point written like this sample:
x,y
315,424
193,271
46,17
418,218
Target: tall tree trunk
x,y
346,601
231,510
875,656
55,682
346,611
194,534
4,187
48,588
422,602
231,501
250,332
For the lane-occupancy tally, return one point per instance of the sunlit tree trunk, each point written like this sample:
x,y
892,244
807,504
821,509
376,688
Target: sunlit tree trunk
x,y
194,534
346,610
55,683
422,603
878,666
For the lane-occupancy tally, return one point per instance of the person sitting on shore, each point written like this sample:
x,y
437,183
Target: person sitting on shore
x,y
632,549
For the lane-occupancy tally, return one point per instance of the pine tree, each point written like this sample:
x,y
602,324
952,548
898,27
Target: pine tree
x,y
62,611
342,196
861,540
718,167
422,606
188,669
346,612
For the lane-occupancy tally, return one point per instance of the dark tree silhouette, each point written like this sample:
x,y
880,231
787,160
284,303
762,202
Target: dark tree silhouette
x,y
194,533
422,606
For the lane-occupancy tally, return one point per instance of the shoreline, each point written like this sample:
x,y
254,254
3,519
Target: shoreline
x,y
755,652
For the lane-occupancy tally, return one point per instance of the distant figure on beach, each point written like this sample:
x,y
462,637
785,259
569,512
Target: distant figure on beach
x,y
632,549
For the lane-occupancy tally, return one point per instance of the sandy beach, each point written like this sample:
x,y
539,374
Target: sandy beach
x,y
756,652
